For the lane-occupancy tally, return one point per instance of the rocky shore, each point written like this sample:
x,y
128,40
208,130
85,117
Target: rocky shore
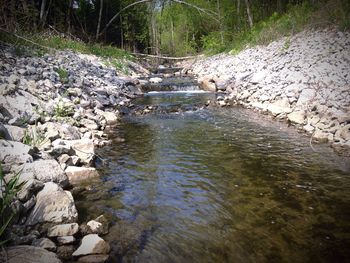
x,y
304,79
54,110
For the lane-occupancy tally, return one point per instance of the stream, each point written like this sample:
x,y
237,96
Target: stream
x,y
209,184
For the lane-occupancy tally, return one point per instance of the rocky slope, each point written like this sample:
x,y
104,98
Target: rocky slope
x,y
54,110
304,79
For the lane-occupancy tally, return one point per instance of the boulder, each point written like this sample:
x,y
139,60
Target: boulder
x,y
65,240
63,230
85,150
94,259
110,117
207,83
155,80
279,107
90,124
15,152
44,243
15,133
30,188
47,171
297,117
29,254
54,205
92,244
76,174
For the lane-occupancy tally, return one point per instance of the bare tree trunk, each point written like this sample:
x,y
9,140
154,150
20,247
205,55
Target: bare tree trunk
x,y
99,20
250,15
121,33
42,10
238,7
220,22
69,16
172,36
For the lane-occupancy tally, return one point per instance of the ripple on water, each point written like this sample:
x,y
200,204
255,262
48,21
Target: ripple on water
x,y
222,185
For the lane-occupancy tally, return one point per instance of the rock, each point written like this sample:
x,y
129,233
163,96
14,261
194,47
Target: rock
x,y
29,204
94,259
65,252
306,97
15,152
30,187
76,174
320,136
345,132
90,124
29,254
155,80
207,83
60,147
259,77
65,240
14,133
63,230
110,117
44,243
297,117
47,171
54,205
92,244
84,149
105,224
279,107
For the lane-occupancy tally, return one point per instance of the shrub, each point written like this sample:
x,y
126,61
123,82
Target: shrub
x,y
8,191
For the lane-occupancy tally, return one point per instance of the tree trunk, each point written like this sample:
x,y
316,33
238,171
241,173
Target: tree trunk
x,y
42,10
220,22
172,37
99,20
69,16
250,15
238,7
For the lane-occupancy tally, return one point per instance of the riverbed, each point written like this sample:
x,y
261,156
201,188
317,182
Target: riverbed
x,y
209,184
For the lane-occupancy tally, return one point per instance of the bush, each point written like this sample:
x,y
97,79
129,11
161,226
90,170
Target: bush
x,y
8,192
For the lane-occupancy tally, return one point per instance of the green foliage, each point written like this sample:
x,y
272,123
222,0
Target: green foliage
x,y
33,137
63,75
63,110
119,65
8,192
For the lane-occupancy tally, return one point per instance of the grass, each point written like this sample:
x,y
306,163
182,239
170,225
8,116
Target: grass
x,y
44,43
33,137
334,13
63,74
63,110
8,192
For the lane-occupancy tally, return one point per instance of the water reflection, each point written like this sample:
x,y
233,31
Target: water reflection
x,y
222,186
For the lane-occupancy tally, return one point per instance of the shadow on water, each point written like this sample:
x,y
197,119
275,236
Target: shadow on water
x,y
220,185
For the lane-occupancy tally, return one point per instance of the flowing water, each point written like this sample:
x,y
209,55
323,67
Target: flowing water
x,y
219,185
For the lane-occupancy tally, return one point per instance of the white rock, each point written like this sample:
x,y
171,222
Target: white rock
x,y
54,205
297,117
65,240
155,80
92,244
76,174
47,171
63,230
15,152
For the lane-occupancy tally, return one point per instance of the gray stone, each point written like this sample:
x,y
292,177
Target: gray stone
x,y
65,240
63,230
29,254
15,152
92,244
47,171
94,259
15,133
77,174
90,124
44,243
54,205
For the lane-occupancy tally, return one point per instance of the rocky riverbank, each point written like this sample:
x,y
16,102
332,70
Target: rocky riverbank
x,y
54,111
304,79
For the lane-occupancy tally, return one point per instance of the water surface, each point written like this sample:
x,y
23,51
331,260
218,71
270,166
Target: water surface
x,y
219,185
